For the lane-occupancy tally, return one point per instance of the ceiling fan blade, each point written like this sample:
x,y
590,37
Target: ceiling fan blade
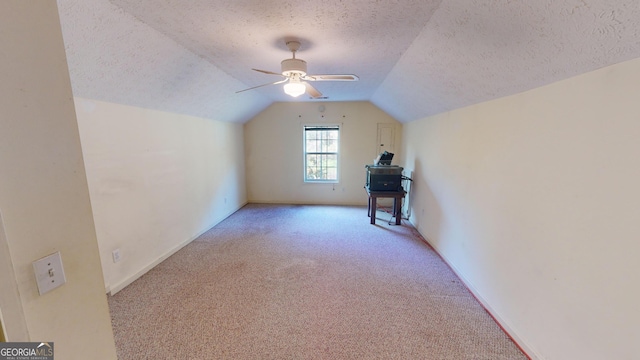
x,y
313,92
335,77
267,72
255,87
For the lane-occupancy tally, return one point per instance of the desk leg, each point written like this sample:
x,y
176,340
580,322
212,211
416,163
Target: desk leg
x,y
373,209
397,209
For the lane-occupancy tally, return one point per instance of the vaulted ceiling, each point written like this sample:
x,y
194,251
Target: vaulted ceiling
x,y
414,58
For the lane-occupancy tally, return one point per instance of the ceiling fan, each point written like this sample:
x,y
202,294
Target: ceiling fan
x,y
294,73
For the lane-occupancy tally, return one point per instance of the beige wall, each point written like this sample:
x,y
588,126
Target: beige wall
x,y
157,180
533,199
44,199
274,146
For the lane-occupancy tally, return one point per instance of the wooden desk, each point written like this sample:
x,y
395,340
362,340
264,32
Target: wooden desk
x,y
397,203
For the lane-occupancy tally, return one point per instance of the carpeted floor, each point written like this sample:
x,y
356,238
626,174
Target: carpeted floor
x,y
304,282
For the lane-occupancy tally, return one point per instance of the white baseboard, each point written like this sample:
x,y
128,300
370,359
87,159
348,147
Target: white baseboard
x,y
502,322
121,285
113,289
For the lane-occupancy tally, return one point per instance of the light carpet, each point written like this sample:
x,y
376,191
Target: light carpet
x,y
304,282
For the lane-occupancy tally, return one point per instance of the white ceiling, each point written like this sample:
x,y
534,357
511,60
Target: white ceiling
x,y
415,58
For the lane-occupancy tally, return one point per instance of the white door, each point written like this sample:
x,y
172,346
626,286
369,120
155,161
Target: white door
x,y
386,138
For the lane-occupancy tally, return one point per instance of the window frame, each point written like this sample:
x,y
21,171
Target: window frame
x,y
309,127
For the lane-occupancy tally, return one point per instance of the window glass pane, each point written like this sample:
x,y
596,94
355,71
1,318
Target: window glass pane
x,y
332,145
311,146
321,153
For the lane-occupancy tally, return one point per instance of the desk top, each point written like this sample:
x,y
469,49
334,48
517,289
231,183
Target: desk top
x,y
400,193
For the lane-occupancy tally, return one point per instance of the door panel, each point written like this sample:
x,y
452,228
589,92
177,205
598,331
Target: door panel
x,y
386,138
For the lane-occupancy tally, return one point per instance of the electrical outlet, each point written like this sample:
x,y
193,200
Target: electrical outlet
x,y
49,272
116,255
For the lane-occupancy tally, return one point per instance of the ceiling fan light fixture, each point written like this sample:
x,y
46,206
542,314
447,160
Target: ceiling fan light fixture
x,y
294,88
294,73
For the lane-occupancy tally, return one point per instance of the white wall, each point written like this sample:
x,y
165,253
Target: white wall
x,y
534,200
157,180
274,146
44,198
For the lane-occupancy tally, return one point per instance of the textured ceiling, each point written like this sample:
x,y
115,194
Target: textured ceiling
x,y
414,57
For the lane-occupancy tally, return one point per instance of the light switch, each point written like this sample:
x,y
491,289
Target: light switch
x,y
49,272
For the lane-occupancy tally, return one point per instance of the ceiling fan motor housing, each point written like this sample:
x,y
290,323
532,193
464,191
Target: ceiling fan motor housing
x,y
294,66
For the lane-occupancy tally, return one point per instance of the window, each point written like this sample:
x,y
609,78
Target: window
x,y
321,153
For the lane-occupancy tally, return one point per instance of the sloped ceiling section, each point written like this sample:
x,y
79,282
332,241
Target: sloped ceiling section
x,y
415,58
474,51
114,57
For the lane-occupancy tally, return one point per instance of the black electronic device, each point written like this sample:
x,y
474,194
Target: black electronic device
x,y
384,158
384,178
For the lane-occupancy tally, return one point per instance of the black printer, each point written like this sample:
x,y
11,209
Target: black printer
x,y
383,176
